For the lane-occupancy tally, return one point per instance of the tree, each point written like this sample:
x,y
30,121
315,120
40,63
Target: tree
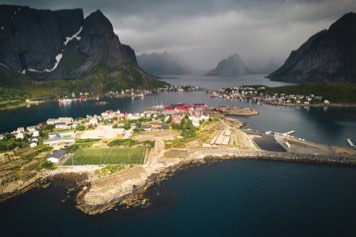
x,y
127,124
47,127
138,124
80,127
47,165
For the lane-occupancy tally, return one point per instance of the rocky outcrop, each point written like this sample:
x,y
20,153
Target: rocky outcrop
x,y
230,66
329,55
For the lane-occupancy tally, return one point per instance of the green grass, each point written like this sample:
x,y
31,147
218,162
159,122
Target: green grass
x,y
108,156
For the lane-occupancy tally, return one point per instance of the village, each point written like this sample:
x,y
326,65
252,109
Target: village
x,y
127,93
28,151
258,94
119,151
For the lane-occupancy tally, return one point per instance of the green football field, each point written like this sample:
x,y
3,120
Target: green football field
x,y
108,156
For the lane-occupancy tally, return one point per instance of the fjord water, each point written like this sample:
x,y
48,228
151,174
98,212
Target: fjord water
x,y
325,125
231,198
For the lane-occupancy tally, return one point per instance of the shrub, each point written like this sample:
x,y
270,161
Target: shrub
x,y
47,165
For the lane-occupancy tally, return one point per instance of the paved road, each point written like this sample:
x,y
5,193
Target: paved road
x,y
155,154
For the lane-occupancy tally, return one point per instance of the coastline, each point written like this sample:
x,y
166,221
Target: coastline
x,y
135,196
333,105
25,104
96,193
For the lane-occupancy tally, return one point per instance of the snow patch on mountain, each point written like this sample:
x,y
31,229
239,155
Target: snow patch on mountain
x,y
60,55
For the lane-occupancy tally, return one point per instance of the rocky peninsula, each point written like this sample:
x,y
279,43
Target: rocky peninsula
x,y
152,146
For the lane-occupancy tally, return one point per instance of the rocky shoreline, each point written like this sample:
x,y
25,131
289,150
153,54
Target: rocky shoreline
x,y
137,195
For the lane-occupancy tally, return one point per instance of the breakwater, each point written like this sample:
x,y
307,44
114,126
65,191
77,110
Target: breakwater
x,y
136,197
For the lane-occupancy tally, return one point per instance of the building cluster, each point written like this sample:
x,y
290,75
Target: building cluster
x,y
30,134
66,137
110,124
133,93
63,122
259,95
236,92
291,99
197,113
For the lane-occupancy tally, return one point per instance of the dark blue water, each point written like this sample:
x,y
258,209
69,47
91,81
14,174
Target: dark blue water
x,y
231,198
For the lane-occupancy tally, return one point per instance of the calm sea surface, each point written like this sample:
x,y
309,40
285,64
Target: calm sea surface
x,y
325,125
232,198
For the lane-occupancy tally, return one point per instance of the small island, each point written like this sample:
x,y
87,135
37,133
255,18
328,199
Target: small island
x,y
115,156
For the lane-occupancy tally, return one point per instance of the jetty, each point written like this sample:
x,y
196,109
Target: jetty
x,y
350,143
289,133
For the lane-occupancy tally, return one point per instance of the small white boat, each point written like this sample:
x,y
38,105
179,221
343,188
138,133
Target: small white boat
x,y
65,101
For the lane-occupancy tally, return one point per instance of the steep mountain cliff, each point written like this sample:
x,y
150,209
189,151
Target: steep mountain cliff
x,y
31,39
53,45
162,64
329,55
230,66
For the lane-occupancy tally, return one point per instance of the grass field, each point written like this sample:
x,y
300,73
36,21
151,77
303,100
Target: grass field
x,y
108,156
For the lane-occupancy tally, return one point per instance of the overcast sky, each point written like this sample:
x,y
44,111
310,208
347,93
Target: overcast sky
x,y
203,32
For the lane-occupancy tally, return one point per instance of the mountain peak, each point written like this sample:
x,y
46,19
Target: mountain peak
x,y
230,66
326,56
97,22
346,21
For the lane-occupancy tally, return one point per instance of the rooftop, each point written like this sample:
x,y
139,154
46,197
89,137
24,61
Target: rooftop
x,y
58,154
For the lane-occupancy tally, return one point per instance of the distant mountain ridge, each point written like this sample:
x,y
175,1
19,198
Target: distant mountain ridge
x,y
52,45
230,66
328,56
162,64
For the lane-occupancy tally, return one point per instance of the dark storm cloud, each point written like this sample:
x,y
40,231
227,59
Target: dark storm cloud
x,y
203,32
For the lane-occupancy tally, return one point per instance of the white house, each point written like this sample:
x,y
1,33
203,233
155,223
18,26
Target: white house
x,y
93,121
31,128
56,156
33,144
20,135
62,125
34,140
36,133
51,121
67,120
